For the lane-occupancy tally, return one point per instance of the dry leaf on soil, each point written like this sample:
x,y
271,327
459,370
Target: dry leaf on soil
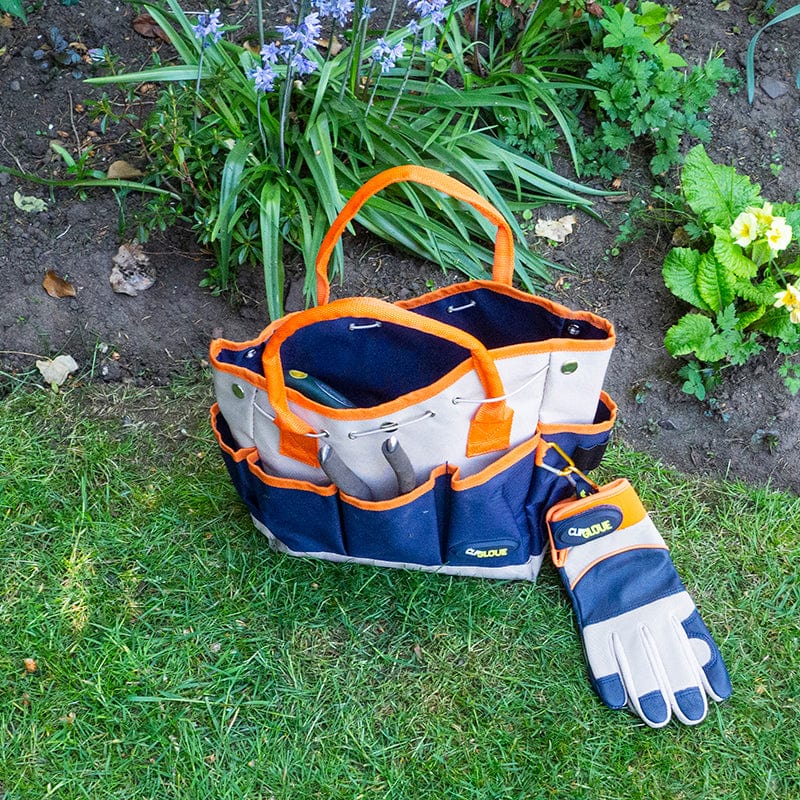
x,y
29,204
56,286
146,26
31,665
556,230
129,274
122,170
55,371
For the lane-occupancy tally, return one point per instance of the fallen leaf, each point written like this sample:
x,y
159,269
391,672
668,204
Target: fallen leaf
x,y
56,286
122,170
616,183
418,651
556,230
6,21
680,238
129,274
333,46
28,203
146,26
31,665
55,371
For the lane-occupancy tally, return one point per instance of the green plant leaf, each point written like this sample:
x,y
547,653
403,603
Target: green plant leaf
x,y
269,208
716,193
228,198
776,323
681,267
714,283
731,255
751,49
695,333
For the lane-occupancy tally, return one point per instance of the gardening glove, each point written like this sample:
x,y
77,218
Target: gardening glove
x,y
645,643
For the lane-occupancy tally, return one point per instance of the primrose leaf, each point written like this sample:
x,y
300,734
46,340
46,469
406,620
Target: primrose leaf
x,y
713,282
694,333
731,255
776,323
716,193
680,271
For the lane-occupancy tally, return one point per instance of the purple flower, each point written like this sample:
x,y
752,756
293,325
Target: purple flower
x,y
340,10
263,78
427,45
428,10
305,34
386,55
367,12
270,53
302,65
208,28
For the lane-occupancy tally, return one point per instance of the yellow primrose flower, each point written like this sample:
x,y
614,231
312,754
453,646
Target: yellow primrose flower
x,y
794,315
779,234
744,229
790,298
763,215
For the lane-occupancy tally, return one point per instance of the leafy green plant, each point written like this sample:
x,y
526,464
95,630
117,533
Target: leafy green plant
x,y
645,90
15,8
264,146
741,277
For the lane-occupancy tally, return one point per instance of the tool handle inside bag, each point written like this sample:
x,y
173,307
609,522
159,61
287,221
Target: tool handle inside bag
x,y
503,267
490,429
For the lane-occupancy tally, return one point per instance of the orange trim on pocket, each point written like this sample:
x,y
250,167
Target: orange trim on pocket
x,y
287,483
400,500
504,462
238,454
587,428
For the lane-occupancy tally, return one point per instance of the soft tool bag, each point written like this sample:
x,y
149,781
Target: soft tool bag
x,y
431,433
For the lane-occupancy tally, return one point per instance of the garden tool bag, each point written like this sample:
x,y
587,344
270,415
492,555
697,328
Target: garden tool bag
x,y
432,433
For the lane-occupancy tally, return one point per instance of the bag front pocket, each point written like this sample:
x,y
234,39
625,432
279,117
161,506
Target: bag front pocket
x,y
408,529
488,523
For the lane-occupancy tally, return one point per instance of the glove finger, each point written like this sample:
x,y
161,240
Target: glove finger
x,y
687,682
642,676
713,674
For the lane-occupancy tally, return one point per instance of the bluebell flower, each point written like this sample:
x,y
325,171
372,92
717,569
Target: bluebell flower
x,y
270,53
208,28
302,65
386,55
305,34
428,10
367,12
263,78
340,10
427,45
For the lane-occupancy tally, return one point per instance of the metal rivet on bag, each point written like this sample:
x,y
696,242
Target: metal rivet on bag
x,y
568,367
250,353
573,329
237,390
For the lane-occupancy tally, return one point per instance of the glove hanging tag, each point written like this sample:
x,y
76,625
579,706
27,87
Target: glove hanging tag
x,y
580,482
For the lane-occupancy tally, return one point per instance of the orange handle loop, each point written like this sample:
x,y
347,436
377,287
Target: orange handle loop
x,y
503,267
490,428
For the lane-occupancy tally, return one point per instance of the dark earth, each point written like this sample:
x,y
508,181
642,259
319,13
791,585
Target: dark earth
x,y
752,433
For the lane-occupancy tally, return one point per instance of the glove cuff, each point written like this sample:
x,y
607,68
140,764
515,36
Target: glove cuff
x,y
582,522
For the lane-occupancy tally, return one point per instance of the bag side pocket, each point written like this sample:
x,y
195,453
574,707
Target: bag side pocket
x,y
584,445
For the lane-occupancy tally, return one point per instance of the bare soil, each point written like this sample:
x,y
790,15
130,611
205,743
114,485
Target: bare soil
x,y
753,433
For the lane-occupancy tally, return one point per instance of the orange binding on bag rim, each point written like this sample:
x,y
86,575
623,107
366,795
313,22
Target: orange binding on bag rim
x,y
503,267
490,429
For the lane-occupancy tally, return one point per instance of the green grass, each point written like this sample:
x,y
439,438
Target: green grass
x,y
178,657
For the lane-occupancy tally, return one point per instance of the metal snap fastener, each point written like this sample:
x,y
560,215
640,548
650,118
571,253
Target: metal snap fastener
x,y
568,367
250,353
573,329
237,390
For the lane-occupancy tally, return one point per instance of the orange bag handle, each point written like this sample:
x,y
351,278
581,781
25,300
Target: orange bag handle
x,y
503,267
490,428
